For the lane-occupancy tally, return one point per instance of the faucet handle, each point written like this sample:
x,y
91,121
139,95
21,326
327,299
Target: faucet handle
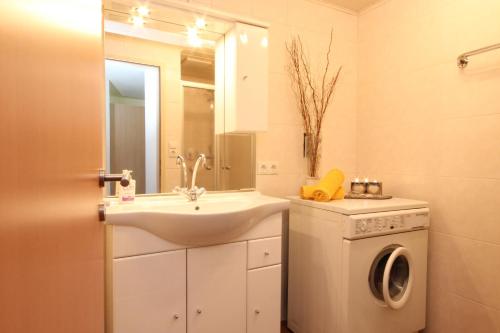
x,y
200,191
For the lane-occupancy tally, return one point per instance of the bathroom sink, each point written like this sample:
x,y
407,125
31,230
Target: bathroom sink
x,y
213,218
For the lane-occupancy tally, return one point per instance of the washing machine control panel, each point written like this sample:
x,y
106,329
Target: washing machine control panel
x,y
374,224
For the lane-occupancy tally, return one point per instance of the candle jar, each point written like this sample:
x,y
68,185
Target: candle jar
x,y
358,187
374,188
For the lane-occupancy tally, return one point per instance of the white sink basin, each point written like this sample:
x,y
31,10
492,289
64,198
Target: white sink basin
x,y
213,218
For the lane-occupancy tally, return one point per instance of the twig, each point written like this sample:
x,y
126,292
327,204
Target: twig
x,y
312,100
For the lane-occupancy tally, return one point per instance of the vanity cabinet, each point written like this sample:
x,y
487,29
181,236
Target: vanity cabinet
x,y
264,300
217,288
155,287
149,293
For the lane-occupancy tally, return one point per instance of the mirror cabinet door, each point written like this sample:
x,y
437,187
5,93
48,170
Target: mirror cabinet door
x,y
166,97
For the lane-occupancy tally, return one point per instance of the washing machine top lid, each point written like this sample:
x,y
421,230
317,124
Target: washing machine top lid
x,y
361,206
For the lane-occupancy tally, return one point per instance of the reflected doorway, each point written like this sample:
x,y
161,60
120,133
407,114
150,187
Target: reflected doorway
x,y
132,123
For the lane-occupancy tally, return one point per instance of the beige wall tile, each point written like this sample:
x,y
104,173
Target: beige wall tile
x,y
231,6
274,11
468,316
467,207
282,102
471,146
476,271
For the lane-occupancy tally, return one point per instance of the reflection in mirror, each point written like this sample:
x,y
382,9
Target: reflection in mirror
x,y
132,123
161,91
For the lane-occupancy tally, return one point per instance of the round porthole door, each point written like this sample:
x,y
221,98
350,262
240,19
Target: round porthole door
x,y
391,276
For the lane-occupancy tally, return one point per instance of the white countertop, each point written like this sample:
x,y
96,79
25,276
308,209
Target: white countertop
x,y
361,206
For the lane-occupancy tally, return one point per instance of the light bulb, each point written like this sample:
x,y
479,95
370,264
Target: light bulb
x,y
200,22
143,11
264,42
193,38
192,32
137,21
244,38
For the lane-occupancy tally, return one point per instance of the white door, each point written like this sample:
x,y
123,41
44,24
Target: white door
x,y
217,288
264,300
149,293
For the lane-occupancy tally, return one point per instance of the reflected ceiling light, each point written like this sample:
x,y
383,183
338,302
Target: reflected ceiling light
x,y
200,22
264,42
142,10
137,21
244,38
193,38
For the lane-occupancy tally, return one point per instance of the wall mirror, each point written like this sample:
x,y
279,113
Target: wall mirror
x,y
165,97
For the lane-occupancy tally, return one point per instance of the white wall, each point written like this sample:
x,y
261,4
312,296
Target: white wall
x,y
432,131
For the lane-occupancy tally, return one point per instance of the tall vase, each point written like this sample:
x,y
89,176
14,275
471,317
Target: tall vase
x,y
311,180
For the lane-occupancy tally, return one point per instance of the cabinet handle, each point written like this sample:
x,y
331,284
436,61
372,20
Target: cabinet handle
x,y
198,311
176,316
266,253
257,311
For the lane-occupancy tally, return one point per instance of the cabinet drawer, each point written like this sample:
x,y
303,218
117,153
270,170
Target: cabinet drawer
x,y
264,252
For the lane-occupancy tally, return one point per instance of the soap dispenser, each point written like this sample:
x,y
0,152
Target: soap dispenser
x,y
126,194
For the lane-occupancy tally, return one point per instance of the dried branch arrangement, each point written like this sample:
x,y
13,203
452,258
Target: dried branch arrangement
x,y
313,97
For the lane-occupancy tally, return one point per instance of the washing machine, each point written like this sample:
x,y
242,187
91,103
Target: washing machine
x,y
357,266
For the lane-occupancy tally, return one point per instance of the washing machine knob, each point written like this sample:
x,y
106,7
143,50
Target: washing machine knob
x,y
363,226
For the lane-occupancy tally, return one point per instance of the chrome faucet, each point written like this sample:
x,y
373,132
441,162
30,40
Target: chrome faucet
x,y
194,192
180,161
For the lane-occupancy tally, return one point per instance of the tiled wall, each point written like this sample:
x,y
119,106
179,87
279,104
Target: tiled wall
x,y
283,142
431,131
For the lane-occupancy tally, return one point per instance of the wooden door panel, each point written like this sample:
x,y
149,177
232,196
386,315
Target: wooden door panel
x,y
51,111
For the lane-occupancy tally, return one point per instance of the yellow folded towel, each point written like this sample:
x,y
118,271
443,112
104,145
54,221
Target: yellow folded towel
x,y
306,191
340,194
329,185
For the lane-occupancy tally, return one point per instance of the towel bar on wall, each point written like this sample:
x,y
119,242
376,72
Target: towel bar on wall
x,y
463,59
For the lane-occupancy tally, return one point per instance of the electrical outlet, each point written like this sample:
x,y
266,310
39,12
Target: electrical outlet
x,y
262,168
273,168
172,152
267,168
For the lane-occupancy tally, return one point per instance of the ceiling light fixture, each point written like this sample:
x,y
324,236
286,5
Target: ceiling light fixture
x,y
200,22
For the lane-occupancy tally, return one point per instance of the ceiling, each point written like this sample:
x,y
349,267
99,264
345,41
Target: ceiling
x,y
355,5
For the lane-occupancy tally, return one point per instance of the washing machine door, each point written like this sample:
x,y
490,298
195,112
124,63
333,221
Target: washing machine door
x,y
391,276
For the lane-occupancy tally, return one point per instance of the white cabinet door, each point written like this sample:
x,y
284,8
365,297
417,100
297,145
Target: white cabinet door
x,y
149,293
264,300
246,79
217,288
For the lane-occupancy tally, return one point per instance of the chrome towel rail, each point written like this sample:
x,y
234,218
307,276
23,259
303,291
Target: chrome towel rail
x,y
463,59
